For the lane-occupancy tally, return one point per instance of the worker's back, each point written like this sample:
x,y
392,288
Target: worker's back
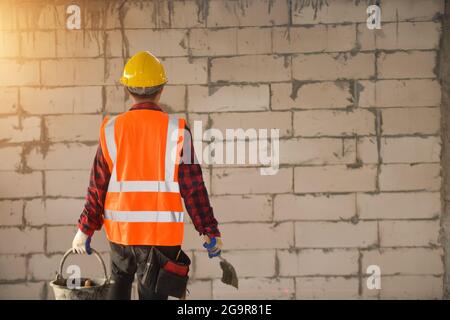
x,y
141,137
143,203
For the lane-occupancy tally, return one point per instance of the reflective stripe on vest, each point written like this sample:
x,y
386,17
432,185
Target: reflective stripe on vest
x,y
153,208
144,216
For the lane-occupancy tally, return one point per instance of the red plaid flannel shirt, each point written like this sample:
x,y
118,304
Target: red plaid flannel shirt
x,y
192,189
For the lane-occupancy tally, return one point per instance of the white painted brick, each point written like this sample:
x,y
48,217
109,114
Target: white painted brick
x,y
71,183
367,150
411,120
15,240
311,262
7,21
336,178
409,233
199,290
22,291
61,100
335,234
242,208
327,288
173,99
318,38
408,93
256,288
308,207
12,267
113,71
311,95
73,127
10,158
114,43
79,43
405,261
264,235
408,35
228,98
410,287
267,120
9,44
188,14
62,156
414,205
34,15
9,99
11,212
398,65
212,42
243,180
53,211
341,38
316,151
116,99
17,185
299,39
44,267
143,14
365,93
412,10
333,66
338,11
224,13
254,40
192,240
250,68
82,71
38,44
333,123
410,177
244,261
410,149
15,129
204,124
160,42
186,71
19,73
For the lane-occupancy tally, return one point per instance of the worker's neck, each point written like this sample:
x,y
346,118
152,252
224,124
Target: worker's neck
x,y
139,101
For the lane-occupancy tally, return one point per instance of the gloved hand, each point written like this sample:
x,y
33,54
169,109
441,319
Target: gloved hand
x,y
213,245
81,243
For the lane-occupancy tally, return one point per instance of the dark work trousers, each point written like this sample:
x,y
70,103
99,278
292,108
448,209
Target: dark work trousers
x,y
126,261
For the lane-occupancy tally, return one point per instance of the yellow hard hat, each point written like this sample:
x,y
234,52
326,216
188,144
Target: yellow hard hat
x,y
143,70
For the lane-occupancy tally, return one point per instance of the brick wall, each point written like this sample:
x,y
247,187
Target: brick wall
x,y
360,137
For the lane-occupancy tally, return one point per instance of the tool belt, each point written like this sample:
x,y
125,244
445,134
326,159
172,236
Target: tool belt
x,y
170,276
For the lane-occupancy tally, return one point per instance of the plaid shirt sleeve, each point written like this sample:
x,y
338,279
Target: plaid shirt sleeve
x,y
195,195
192,189
91,218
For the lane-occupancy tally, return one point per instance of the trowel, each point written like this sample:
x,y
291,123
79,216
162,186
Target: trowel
x,y
229,275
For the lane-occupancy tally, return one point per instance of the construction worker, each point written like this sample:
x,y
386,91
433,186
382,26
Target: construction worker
x,y
138,179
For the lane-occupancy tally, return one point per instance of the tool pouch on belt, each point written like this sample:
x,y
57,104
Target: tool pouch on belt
x,y
171,276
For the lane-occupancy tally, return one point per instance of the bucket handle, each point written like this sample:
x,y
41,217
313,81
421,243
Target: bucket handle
x,y
97,255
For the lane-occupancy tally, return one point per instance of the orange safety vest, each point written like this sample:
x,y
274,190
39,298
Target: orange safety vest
x,y
143,204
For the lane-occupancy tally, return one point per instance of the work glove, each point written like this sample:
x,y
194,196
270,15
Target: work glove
x,y
213,245
81,243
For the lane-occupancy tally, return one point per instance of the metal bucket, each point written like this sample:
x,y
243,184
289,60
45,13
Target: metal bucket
x,y
97,291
